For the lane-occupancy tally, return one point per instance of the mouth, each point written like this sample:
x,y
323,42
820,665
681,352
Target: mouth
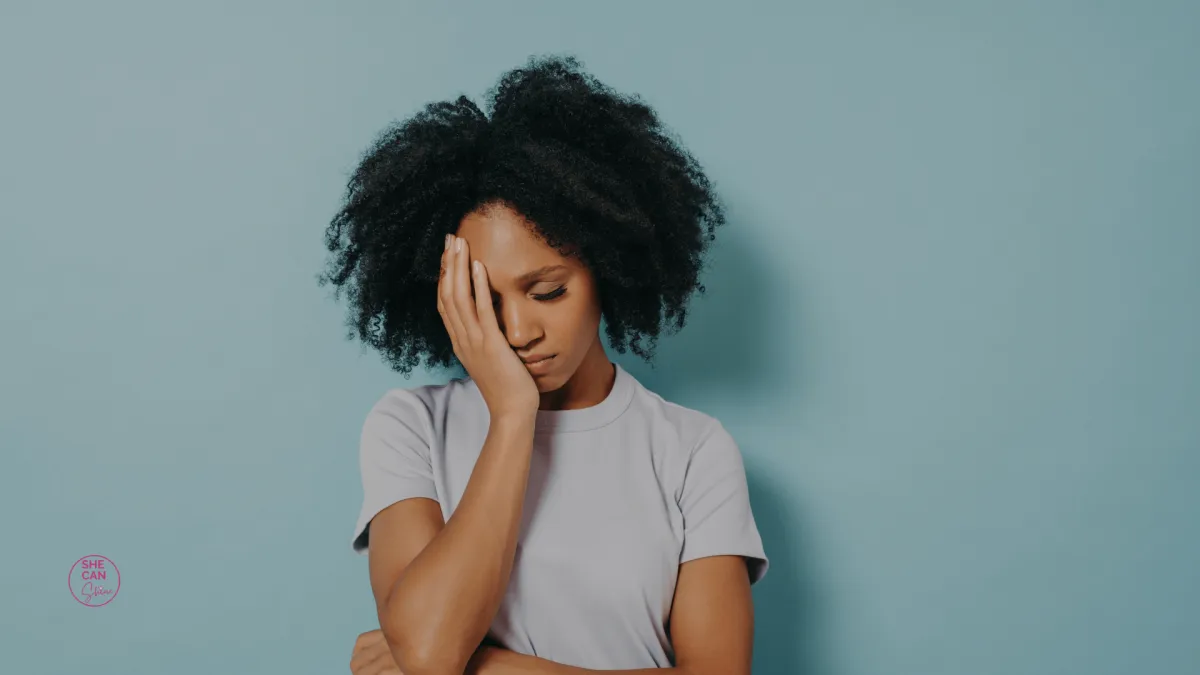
x,y
539,363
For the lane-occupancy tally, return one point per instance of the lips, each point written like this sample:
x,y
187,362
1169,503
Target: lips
x,y
539,365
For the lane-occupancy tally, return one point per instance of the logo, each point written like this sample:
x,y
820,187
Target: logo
x,y
94,580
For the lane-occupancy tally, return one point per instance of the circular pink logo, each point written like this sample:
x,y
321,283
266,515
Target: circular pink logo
x,y
94,580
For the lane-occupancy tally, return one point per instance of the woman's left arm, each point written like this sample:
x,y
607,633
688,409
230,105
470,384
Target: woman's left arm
x,y
712,628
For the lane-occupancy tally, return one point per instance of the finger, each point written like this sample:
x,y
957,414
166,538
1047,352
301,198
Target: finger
x,y
461,292
382,663
360,661
483,299
458,331
371,637
443,304
366,650
374,657
364,663
441,284
443,293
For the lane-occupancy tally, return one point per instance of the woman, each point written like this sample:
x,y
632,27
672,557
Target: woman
x,y
546,512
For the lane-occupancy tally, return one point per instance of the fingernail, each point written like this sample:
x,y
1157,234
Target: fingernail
x,y
458,245
475,266
447,247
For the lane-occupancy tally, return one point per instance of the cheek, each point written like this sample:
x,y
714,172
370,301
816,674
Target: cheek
x,y
587,323
587,309
577,321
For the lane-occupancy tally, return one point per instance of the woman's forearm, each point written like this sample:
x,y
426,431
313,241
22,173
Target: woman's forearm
x,y
498,661
442,605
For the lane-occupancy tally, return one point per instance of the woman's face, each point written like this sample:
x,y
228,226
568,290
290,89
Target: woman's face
x,y
546,304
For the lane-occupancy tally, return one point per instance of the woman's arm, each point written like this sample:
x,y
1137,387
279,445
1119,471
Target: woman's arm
x,y
435,610
712,628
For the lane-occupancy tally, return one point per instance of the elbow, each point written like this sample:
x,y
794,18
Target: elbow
x,y
419,651
417,661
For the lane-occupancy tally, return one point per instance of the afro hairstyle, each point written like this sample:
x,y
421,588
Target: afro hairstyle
x,y
593,171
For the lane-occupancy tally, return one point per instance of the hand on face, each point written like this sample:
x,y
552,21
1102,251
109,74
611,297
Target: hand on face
x,y
502,378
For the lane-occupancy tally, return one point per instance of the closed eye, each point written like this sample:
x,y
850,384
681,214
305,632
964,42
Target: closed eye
x,y
545,297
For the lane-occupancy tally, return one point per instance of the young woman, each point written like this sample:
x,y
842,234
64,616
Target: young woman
x,y
545,513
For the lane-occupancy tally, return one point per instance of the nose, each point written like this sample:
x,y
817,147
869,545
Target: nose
x,y
518,323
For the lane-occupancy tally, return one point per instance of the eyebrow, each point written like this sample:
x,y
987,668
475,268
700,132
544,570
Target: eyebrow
x,y
539,272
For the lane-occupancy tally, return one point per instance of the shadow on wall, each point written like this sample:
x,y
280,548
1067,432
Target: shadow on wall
x,y
727,345
721,344
785,602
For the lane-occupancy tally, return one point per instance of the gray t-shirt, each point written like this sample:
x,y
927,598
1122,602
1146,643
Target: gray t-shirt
x,y
620,494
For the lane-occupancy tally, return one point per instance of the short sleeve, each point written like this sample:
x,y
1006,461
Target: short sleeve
x,y
393,458
715,501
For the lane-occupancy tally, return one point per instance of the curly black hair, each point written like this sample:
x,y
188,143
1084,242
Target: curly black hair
x,y
593,170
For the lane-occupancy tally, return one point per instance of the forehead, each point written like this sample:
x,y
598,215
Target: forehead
x,y
504,242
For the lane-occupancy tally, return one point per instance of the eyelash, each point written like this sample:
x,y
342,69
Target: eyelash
x,y
547,297
556,293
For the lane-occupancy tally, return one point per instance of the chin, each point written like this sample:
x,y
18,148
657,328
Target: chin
x,y
547,383
552,381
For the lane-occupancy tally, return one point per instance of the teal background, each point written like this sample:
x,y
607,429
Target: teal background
x,y
954,322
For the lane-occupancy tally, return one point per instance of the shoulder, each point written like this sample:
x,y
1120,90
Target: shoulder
x,y
690,427
421,409
698,455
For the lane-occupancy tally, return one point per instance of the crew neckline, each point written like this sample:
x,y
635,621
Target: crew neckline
x,y
591,417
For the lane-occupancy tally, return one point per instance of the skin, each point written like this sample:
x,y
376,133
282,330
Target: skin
x,y
568,326
712,631
418,560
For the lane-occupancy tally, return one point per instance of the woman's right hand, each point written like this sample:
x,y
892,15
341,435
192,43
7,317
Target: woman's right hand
x,y
502,378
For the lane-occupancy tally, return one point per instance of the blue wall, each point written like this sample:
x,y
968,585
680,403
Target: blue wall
x,y
954,323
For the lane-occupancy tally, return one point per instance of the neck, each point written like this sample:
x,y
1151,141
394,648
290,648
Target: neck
x,y
588,386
